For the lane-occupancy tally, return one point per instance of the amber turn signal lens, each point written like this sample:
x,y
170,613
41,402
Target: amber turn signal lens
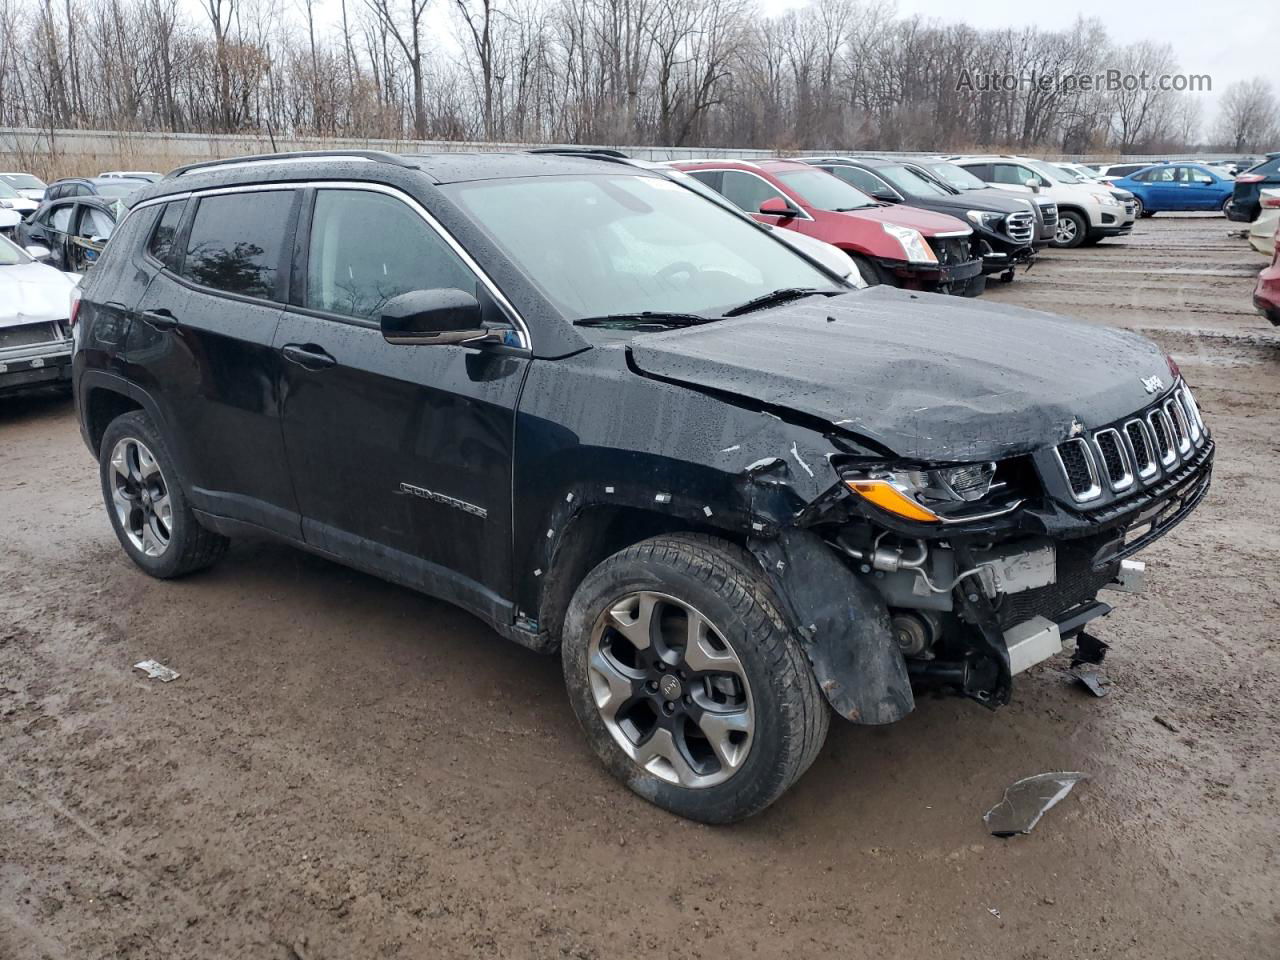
x,y
888,497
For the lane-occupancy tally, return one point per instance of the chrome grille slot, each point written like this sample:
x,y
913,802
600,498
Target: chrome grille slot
x,y
1192,413
1049,211
1162,430
1020,226
1144,456
1178,418
1115,460
1078,467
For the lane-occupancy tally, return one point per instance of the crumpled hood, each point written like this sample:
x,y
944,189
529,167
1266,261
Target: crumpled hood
x,y
31,292
929,377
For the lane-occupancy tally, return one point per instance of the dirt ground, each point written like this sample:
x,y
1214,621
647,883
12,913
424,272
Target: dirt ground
x,y
349,770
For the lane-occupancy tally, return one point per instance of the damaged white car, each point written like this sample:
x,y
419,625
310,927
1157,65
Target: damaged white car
x,y
35,321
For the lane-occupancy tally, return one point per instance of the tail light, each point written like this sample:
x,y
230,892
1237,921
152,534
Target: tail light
x,y
75,307
1271,203
1250,178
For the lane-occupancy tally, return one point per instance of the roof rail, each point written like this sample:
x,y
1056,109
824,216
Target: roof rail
x,y
600,153
377,156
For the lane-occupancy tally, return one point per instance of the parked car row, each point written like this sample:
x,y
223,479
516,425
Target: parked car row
x,y
632,427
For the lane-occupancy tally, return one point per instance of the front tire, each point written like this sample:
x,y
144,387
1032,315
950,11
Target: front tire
x,y
1138,208
689,684
1071,230
147,505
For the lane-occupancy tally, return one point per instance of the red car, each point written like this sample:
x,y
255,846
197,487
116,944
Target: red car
x,y
906,247
1266,296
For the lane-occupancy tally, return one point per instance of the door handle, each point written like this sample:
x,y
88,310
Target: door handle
x,y
307,355
160,319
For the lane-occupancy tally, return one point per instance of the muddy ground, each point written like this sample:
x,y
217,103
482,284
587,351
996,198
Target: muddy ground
x,y
348,770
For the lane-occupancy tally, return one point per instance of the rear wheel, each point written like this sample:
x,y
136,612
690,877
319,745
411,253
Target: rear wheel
x,y
1071,230
1225,203
687,681
146,503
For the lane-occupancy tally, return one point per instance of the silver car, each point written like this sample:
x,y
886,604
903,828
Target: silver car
x,y
35,327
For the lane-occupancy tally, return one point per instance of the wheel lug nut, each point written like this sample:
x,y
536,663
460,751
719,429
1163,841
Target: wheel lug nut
x,y
669,708
688,700
652,685
660,666
682,676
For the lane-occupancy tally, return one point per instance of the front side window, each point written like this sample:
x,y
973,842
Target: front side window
x,y
59,218
609,244
1012,173
821,190
958,176
911,182
747,191
857,177
237,242
368,247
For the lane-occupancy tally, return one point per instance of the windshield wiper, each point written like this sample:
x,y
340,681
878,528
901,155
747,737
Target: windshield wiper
x,y
646,317
776,297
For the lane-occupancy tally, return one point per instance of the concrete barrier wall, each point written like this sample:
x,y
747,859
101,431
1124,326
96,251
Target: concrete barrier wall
x,y
63,153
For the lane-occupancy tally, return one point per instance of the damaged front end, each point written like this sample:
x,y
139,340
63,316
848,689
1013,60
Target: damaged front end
x,y
972,573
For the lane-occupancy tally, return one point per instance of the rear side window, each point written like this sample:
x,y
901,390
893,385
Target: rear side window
x,y
1271,167
367,247
166,230
237,242
94,224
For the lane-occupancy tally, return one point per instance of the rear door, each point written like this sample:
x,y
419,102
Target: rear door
x,y
1164,189
201,344
401,455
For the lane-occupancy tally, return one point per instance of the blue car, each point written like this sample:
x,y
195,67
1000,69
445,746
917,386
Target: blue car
x,y
1177,186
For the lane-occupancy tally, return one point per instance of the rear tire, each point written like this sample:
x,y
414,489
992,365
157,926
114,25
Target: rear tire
x,y
747,667
147,504
1071,230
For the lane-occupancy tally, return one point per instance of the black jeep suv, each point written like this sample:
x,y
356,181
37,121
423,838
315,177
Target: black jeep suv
x,y
620,422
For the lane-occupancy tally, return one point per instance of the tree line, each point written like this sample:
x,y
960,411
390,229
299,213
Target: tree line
x,y
840,74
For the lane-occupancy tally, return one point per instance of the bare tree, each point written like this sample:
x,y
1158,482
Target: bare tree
x,y
1248,116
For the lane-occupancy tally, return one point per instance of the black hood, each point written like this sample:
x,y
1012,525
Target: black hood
x,y
925,376
989,201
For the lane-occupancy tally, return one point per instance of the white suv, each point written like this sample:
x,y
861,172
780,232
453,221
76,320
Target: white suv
x,y
1087,212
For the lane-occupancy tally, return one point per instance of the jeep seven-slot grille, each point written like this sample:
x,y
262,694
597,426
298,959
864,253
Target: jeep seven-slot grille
x,y
1115,457
1020,227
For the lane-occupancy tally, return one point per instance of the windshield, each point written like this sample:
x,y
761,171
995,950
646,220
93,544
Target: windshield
x,y
821,190
118,188
1053,173
908,181
22,181
616,244
11,254
958,177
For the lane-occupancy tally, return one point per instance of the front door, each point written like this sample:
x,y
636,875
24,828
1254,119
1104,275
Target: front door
x,y
201,343
401,455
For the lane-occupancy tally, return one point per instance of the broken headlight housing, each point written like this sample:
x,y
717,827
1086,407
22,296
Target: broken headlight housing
x,y
957,493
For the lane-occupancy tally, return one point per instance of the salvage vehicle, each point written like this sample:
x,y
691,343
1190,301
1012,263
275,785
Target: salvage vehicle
x,y
35,313
1004,226
1262,231
30,187
1245,198
1176,187
914,249
619,423
1087,213
961,180
74,231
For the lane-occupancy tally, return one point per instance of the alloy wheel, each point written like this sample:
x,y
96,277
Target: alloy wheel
x,y
670,690
1137,207
140,495
1066,231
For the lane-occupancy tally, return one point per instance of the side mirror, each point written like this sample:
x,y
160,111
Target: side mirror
x,y
1034,184
778,207
443,316
37,252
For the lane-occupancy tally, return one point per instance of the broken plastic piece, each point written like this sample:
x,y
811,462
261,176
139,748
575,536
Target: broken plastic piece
x,y
1089,649
662,498
1027,800
157,671
1090,679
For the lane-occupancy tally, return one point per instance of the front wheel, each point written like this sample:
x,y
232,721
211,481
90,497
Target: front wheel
x,y
1071,230
690,687
1138,209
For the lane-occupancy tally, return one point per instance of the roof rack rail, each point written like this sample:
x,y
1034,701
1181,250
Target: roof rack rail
x,y
376,156
601,153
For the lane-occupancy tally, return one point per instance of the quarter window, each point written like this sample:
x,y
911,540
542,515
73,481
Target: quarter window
x,y
166,230
368,247
237,242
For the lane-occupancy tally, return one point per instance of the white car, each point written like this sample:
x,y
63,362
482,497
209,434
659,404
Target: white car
x,y
11,199
30,187
1087,212
1262,232
35,328
148,175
